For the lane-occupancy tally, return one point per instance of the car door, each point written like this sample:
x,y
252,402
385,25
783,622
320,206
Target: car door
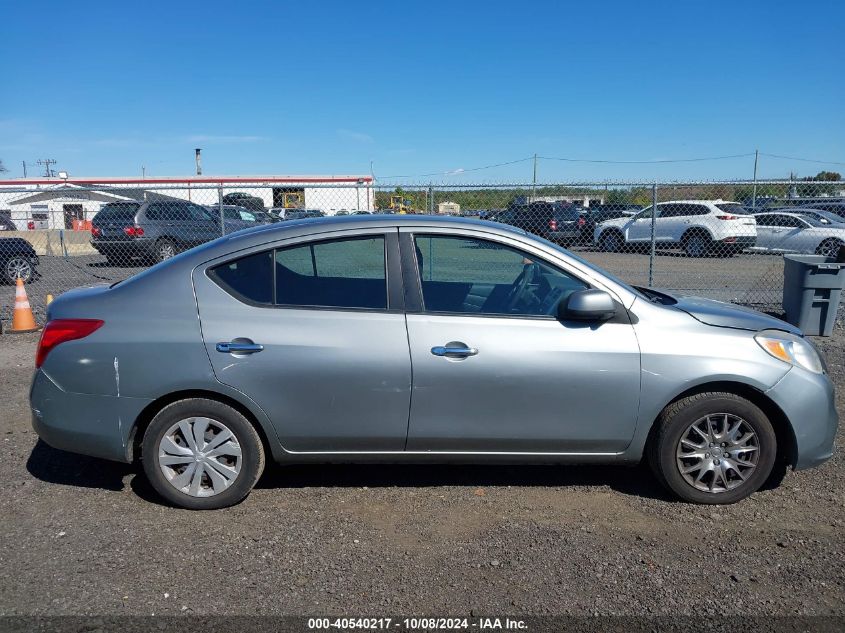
x,y
797,236
497,372
767,230
638,228
770,231
308,330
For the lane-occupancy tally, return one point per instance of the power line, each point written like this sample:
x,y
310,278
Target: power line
x,y
647,162
461,171
803,160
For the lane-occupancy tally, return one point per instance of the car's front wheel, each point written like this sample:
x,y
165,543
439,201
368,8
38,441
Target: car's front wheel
x,y
713,448
201,454
611,241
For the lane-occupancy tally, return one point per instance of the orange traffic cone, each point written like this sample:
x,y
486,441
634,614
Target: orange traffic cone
x,y
22,319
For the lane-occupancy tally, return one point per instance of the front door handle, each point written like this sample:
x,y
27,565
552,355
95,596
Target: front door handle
x,y
454,351
239,348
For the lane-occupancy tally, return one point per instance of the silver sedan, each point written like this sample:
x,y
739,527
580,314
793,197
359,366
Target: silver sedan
x,y
412,338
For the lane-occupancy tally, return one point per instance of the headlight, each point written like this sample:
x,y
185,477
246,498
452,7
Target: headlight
x,y
791,349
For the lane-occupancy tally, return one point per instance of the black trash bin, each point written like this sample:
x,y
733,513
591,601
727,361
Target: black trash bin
x,y
812,286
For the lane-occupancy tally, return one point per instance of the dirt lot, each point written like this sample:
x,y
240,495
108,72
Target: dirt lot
x,y
83,536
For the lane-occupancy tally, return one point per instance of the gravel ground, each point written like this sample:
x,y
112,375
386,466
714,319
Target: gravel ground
x,y
83,536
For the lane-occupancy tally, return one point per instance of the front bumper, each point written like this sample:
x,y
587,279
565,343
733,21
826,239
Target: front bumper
x,y
808,402
96,425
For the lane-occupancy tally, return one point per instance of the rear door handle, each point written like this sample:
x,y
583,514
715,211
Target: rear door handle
x,y
454,351
239,348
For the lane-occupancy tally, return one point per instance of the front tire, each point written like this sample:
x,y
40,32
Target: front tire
x,y
713,448
611,241
829,248
201,454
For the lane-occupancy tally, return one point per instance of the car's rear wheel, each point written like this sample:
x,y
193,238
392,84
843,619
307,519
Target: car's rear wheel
x,y
829,248
18,266
713,448
611,241
201,454
696,244
165,249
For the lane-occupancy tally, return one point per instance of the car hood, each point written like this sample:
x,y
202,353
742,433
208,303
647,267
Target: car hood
x,y
721,314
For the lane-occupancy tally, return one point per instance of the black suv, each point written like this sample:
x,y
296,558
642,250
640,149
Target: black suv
x,y
557,222
17,259
151,231
601,212
241,199
6,223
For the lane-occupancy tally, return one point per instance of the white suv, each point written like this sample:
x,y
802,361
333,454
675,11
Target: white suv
x,y
700,227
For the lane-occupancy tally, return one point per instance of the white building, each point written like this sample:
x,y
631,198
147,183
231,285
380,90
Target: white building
x,y
448,208
55,203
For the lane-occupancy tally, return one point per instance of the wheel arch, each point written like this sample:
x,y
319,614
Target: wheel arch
x,y
784,433
697,230
149,412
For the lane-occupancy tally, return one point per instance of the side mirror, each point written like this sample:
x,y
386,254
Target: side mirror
x,y
587,305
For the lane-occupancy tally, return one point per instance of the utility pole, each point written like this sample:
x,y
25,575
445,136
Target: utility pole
x,y
23,162
48,172
754,189
534,180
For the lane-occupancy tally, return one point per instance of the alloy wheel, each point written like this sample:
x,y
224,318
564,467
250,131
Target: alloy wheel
x,y
696,246
18,267
199,456
166,250
718,452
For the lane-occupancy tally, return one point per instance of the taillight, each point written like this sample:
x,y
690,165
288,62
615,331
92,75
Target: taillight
x,y
727,217
581,221
96,232
134,231
62,330
553,225
30,226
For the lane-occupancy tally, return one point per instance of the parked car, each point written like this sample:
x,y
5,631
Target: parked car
x,y
236,217
17,259
520,350
797,233
601,213
362,212
837,207
241,199
151,231
699,227
824,217
342,212
300,214
556,222
6,223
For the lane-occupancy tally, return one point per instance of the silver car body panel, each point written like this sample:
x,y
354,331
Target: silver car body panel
x,y
356,385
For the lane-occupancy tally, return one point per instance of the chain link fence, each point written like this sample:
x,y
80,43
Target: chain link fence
x,y
722,240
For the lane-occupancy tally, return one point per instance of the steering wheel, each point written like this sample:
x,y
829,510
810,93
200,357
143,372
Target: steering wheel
x,y
520,284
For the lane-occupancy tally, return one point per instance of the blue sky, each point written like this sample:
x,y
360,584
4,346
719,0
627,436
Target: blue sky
x,y
423,87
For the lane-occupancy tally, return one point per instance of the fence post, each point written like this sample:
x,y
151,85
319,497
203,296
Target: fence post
x,y
220,208
430,199
651,251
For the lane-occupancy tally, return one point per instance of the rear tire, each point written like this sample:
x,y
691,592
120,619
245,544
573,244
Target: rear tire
x,y
730,464
18,266
201,454
696,244
165,249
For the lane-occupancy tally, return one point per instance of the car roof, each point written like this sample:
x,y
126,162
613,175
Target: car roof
x,y
716,201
